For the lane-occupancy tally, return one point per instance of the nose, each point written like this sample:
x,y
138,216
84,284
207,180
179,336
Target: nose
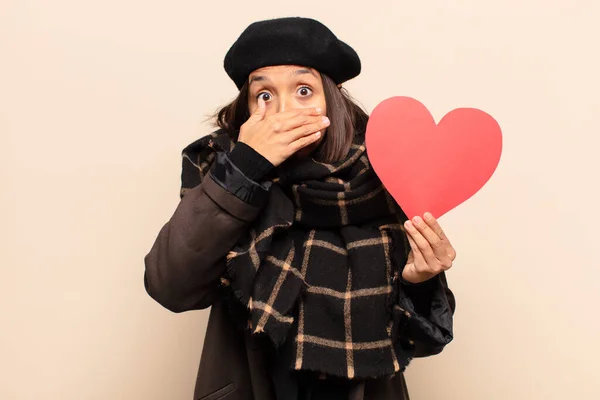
x,y
284,103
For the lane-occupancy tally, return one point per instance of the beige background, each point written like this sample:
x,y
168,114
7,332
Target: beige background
x,y
97,99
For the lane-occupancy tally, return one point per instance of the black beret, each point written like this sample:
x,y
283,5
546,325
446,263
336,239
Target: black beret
x,y
290,41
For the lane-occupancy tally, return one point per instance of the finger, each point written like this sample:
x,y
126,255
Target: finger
x,y
435,226
416,269
417,256
305,130
259,111
439,247
410,273
285,124
297,112
303,142
421,267
421,243
411,255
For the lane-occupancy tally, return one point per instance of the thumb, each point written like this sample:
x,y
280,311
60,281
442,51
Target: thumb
x,y
259,112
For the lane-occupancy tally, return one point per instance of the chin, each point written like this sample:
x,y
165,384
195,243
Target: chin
x,y
307,151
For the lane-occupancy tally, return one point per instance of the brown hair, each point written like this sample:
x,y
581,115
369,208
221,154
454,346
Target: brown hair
x,y
346,117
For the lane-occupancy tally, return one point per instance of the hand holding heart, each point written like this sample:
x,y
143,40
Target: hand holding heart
x,y
431,251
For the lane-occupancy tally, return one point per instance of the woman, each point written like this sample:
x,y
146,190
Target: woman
x,y
319,286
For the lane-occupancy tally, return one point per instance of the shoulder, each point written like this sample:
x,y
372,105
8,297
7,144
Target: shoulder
x,y
203,149
216,140
199,156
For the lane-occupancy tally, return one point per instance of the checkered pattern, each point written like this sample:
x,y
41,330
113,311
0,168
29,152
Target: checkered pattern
x,y
318,271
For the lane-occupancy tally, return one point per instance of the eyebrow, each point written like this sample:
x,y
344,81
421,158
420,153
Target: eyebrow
x,y
259,78
304,71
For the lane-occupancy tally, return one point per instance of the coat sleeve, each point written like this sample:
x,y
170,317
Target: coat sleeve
x,y
431,306
185,264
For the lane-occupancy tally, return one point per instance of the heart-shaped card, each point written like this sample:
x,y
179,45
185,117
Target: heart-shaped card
x,y
427,166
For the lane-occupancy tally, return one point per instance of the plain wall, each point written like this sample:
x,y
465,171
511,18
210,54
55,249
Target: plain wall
x,y
98,98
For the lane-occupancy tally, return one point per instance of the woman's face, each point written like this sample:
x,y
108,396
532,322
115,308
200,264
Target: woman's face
x,y
287,87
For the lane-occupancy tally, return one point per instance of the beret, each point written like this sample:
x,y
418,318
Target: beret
x,y
290,41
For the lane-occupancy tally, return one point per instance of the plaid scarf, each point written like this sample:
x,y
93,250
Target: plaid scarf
x,y
318,270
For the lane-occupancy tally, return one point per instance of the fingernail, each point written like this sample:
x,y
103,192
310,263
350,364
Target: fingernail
x,y
407,224
428,216
325,120
318,134
318,109
417,220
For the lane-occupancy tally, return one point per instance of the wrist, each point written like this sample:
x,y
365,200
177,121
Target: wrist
x,y
250,162
418,279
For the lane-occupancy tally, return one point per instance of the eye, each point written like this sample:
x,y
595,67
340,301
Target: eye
x,y
264,95
305,91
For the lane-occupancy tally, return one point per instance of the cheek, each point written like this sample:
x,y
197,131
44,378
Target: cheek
x,y
316,101
320,100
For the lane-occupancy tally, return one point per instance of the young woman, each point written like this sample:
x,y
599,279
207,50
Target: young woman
x,y
320,288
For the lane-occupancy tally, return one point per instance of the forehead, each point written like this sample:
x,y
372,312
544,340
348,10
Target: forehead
x,y
283,71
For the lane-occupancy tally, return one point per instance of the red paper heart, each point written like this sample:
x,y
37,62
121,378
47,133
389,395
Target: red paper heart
x,y
429,167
